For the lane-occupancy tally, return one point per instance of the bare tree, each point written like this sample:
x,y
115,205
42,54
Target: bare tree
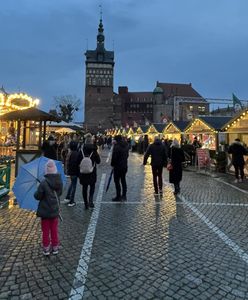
x,y
66,106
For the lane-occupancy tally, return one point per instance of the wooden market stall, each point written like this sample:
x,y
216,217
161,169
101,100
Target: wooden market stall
x,y
31,132
237,127
208,131
151,133
175,130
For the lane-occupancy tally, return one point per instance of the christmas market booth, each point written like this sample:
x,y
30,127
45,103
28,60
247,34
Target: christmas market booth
x,y
237,127
209,133
30,125
175,130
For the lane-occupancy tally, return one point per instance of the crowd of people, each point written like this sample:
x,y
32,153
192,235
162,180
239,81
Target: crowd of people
x,y
80,158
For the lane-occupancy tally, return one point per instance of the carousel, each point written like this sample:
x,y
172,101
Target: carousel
x,y
8,128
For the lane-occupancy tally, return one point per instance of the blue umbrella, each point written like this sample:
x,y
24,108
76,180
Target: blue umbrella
x,y
27,181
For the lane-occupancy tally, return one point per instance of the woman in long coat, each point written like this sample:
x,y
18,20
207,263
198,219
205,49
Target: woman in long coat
x,y
176,155
89,149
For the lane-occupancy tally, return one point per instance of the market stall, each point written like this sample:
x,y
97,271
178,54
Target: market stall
x,y
175,130
208,131
237,127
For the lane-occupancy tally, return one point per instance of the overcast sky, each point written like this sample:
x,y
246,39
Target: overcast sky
x,y
203,42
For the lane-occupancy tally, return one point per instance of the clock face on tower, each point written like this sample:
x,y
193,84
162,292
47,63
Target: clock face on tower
x,y
100,38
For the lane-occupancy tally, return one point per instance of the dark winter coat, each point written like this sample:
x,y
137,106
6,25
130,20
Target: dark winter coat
x,y
177,157
88,179
49,151
73,163
238,151
120,156
157,151
48,207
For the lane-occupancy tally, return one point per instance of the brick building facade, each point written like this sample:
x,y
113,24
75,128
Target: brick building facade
x,y
105,109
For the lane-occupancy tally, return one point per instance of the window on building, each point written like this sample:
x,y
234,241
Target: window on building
x,y
201,108
94,81
191,107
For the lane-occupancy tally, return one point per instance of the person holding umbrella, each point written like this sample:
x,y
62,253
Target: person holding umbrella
x,y
47,194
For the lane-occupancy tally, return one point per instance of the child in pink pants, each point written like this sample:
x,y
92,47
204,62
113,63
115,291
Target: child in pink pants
x,y
48,209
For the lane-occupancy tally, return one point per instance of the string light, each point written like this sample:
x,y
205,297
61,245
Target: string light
x,y
17,101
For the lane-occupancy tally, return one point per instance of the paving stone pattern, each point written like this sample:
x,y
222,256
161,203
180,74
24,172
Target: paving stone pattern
x,y
146,248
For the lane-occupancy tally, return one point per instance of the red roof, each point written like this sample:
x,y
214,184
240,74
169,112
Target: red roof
x,y
178,89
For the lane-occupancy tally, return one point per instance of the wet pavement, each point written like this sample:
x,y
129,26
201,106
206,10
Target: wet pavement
x,y
194,246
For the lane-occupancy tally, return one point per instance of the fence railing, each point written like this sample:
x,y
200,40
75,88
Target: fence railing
x,y
5,172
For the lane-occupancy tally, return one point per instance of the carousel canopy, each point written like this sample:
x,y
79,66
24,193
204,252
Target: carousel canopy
x,y
29,114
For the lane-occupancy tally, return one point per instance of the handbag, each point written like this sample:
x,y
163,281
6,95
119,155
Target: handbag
x,y
169,166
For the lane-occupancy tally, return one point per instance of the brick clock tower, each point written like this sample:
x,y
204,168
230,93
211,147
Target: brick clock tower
x,y
99,86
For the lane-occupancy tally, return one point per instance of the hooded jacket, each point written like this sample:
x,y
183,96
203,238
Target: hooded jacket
x,y
48,206
238,151
158,154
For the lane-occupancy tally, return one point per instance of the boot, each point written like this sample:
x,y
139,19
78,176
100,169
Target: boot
x,y
86,204
91,204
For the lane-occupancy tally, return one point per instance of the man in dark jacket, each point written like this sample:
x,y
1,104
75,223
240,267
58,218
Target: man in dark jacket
x,y
49,148
238,151
119,163
73,172
158,155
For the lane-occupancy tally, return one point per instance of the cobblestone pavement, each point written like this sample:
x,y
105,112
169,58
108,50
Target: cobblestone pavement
x,y
193,246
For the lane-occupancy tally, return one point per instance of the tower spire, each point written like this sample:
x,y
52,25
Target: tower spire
x,y
100,35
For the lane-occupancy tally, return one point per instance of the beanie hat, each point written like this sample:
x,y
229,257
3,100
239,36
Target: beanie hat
x,y
50,167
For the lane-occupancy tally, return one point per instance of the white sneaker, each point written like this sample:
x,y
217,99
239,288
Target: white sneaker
x,y
72,204
66,201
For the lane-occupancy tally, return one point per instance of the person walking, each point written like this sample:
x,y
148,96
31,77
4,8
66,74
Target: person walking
x,y
238,151
49,148
158,155
73,172
119,162
177,157
88,179
47,193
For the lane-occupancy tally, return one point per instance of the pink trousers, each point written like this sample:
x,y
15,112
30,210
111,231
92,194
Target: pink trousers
x,y
50,232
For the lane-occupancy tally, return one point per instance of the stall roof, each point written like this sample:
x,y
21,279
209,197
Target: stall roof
x,y
159,127
65,125
29,114
181,125
144,128
216,122
237,116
